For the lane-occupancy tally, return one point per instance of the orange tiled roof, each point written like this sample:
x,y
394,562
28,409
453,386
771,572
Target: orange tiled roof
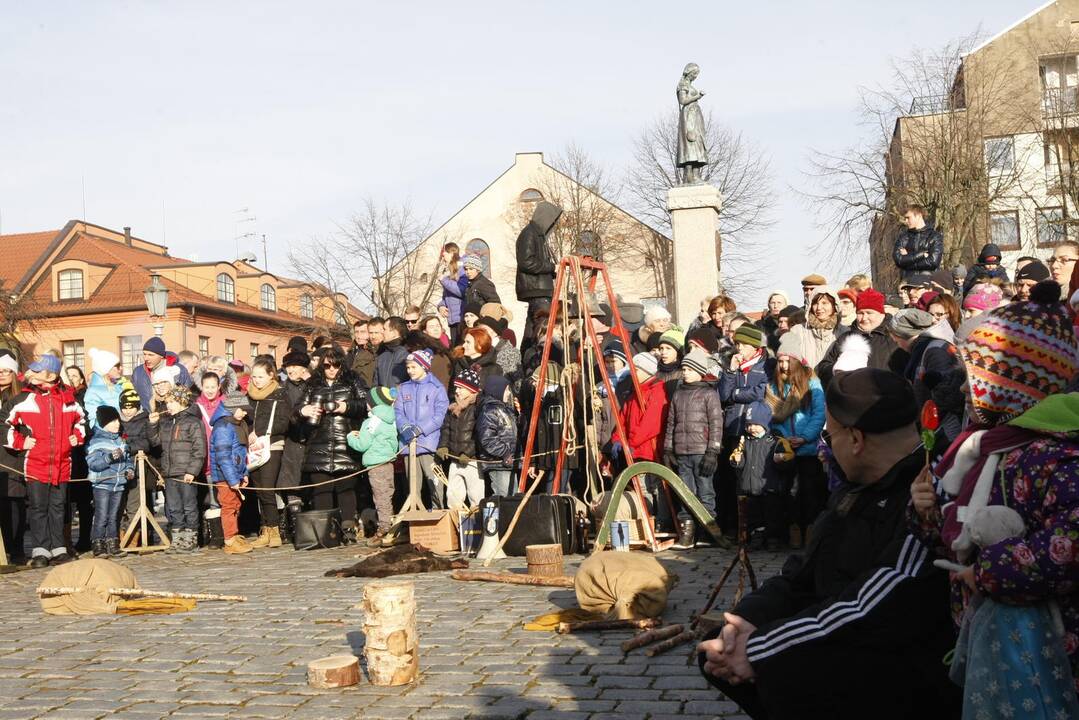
x,y
21,251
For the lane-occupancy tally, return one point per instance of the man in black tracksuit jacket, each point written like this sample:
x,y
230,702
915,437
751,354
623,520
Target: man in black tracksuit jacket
x,y
859,626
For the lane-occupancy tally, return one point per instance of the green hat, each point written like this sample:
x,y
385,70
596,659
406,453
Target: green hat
x,y
675,338
383,395
750,335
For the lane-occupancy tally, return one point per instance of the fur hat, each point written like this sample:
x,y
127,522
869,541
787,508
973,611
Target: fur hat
x,y
1019,353
101,361
296,357
854,352
297,344
421,357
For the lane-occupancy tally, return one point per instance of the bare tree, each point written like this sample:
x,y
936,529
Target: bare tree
x,y
924,144
20,316
373,256
738,167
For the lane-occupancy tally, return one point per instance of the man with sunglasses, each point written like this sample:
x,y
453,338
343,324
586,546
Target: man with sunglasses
x,y
856,627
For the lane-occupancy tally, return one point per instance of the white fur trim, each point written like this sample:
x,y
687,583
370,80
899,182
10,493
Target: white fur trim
x,y
967,455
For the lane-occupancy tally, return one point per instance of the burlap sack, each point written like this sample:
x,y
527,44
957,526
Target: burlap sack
x,y
623,585
96,576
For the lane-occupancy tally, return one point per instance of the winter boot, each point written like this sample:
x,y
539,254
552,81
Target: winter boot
x,y
191,541
275,537
237,545
263,540
376,540
112,547
348,534
98,548
175,537
687,535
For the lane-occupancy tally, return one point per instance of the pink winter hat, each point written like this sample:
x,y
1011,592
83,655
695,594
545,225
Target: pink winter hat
x,y
983,296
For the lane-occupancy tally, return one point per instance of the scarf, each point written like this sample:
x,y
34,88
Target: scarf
x,y
255,394
828,325
746,365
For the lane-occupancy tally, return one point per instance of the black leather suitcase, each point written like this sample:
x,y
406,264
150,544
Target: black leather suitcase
x,y
546,520
317,529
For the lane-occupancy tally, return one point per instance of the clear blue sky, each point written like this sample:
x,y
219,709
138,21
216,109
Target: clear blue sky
x,y
175,115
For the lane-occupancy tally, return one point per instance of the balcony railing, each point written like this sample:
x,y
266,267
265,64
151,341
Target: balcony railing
x,y
929,105
1057,102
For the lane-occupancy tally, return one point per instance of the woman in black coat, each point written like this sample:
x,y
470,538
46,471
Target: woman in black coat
x,y
335,405
270,415
476,352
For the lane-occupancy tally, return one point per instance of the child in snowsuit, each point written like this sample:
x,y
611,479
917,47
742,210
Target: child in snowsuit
x,y
458,438
135,426
109,460
420,409
496,433
377,441
228,466
182,440
759,478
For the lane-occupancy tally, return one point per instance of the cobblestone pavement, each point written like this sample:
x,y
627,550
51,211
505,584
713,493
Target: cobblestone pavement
x,y
231,660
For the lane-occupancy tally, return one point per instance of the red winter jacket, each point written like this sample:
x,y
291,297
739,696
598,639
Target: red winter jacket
x,y
645,425
50,416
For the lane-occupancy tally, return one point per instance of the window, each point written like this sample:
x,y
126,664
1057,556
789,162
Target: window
x,y
226,288
73,353
204,346
476,246
130,352
1050,223
999,155
254,351
272,350
531,195
1060,82
269,297
230,349
70,284
307,307
1004,229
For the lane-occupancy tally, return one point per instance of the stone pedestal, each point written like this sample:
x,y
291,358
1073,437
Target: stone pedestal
x,y
694,222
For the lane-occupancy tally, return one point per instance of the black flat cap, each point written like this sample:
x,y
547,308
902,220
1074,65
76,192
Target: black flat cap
x,y
874,401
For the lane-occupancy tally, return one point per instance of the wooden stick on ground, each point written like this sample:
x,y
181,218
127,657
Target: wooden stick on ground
x,y
512,578
589,625
139,592
650,636
516,516
662,647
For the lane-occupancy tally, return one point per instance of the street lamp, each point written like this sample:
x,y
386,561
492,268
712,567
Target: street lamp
x,y
157,302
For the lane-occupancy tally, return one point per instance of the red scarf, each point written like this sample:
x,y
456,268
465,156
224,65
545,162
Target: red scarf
x,y
750,361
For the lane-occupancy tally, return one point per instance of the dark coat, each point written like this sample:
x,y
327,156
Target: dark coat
x,y
263,409
925,250
694,420
12,484
459,431
535,264
485,365
980,274
881,348
182,439
481,291
327,442
739,391
390,364
362,362
137,432
496,429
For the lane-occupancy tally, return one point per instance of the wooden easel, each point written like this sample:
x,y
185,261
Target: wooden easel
x,y
144,519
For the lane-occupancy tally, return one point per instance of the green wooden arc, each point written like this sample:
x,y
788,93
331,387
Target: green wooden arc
x,y
650,468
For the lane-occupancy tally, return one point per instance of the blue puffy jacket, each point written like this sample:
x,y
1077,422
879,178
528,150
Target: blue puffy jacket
x,y
105,471
739,390
806,422
453,294
421,404
98,393
228,456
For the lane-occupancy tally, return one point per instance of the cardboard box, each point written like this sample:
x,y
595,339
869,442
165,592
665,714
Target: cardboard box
x,y
435,530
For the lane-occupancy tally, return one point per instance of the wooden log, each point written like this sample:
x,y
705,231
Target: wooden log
x,y
512,578
391,646
662,647
336,671
650,636
545,560
590,625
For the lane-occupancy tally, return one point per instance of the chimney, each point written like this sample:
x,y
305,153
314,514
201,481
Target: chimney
x,y
127,236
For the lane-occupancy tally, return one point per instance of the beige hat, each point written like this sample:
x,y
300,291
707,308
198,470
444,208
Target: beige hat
x,y
496,312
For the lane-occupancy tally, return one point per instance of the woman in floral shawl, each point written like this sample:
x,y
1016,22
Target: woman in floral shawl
x,y
1020,452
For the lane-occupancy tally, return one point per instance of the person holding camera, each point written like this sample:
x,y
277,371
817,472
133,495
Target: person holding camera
x,y
334,406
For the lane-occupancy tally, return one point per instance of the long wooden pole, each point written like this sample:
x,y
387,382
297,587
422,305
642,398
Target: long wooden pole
x,y
590,625
140,592
512,578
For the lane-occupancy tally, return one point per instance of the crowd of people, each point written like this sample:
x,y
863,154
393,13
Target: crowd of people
x,y
868,433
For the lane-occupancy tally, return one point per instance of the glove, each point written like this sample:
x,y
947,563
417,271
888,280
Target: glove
x,y
670,459
463,459
409,434
129,474
117,453
616,450
708,464
441,453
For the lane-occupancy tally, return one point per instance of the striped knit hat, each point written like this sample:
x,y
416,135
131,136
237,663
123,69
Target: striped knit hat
x,y
421,358
702,362
383,395
749,334
1018,354
469,379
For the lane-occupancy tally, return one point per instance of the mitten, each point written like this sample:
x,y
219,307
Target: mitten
x,y
409,434
117,453
442,453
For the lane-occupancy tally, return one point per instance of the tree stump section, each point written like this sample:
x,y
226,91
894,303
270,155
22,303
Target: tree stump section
x,y
336,671
389,626
544,560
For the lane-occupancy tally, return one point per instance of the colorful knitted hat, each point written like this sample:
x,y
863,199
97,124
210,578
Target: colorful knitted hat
x,y
469,379
180,394
750,335
421,358
129,398
473,261
1019,353
983,296
673,337
383,395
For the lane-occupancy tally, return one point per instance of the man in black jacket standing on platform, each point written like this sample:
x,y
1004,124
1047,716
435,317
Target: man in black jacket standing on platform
x,y
858,626
920,248
536,264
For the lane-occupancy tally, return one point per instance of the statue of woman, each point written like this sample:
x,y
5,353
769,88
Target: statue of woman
x,y
692,153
